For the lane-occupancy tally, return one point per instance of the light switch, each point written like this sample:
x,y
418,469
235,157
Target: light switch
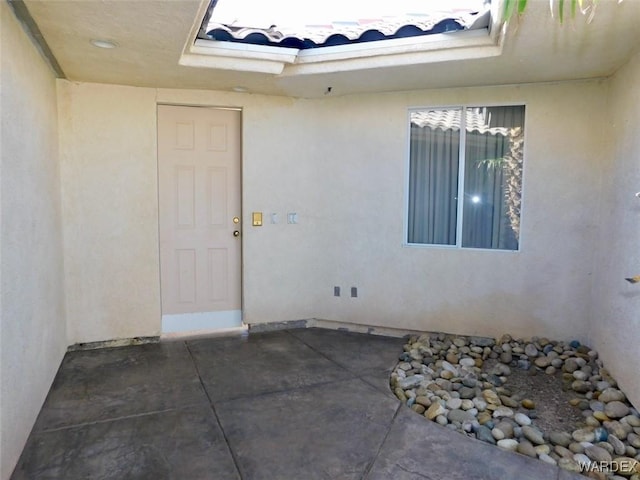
x,y
274,218
292,217
256,219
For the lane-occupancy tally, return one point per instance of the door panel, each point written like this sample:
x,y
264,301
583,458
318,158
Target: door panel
x,y
199,194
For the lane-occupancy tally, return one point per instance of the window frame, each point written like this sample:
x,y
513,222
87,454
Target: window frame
x,y
461,174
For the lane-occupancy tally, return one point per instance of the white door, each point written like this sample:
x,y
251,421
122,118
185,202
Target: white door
x,y
199,201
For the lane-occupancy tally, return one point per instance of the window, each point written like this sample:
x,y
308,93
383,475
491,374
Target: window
x,y
477,151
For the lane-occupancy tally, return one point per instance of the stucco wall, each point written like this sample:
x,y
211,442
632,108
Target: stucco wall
x,y
110,208
340,163
541,290
32,326
616,318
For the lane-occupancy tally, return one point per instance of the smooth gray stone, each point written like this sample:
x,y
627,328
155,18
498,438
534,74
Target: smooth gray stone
x,y
617,444
467,393
570,365
597,454
506,357
611,394
530,350
410,382
634,440
484,434
560,438
522,419
526,448
482,341
616,409
533,435
460,416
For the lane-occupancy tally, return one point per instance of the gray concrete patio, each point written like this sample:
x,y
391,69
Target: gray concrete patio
x,y
291,404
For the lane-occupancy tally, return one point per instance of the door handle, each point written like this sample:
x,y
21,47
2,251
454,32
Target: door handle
x,y
236,233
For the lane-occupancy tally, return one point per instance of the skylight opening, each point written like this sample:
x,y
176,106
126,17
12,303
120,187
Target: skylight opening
x,y
280,14
339,22
340,35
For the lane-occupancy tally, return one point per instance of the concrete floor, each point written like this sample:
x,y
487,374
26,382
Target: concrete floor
x,y
295,404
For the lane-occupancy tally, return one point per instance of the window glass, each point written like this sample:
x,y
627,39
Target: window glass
x,y
433,178
478,151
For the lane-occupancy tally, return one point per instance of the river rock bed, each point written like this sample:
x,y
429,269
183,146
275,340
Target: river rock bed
x,y
491,390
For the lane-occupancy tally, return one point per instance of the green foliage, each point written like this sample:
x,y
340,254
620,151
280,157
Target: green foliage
x,y
490,163
557,8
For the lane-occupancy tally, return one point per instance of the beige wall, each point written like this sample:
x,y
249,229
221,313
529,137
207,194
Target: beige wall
x,y
538,291
340,163
616,317
110,209
32,327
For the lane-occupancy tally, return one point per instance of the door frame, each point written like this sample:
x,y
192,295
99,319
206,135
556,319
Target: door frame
x,y
205,328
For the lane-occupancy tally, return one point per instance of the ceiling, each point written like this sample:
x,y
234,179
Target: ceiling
x,y
151,36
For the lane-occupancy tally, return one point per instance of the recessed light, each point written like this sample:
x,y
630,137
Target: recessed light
x,y
103,43
240,89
